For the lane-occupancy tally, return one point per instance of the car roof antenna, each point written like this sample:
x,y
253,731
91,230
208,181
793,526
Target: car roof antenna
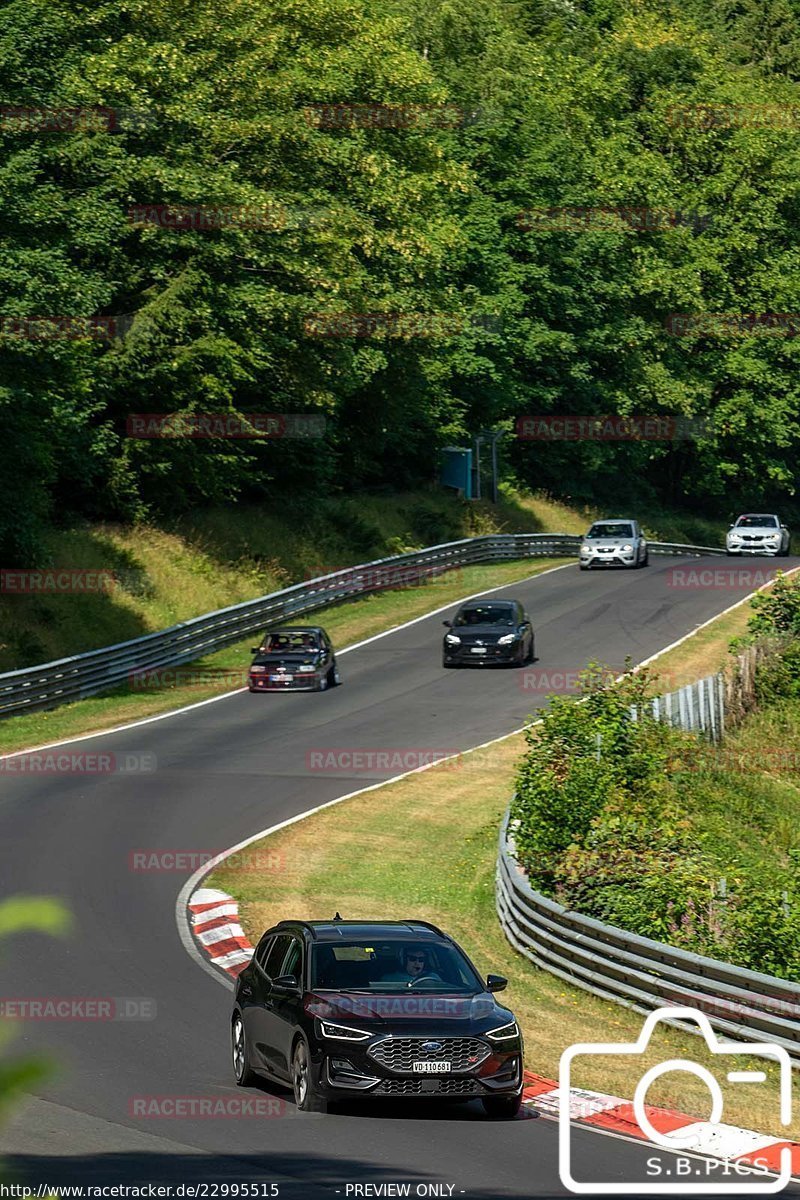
x,y
337,917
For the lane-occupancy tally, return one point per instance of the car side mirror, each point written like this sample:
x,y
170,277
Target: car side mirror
x,y
287,983
496,983
449,624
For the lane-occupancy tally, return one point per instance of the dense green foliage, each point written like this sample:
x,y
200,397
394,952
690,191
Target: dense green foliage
x,y
570,105
647,828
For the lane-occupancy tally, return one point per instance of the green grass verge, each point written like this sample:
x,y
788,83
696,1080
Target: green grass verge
x,y
348,622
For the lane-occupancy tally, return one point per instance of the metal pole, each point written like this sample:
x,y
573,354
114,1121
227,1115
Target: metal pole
x,y
494,468
478,441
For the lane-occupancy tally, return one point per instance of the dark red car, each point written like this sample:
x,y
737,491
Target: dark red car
x,y
296,659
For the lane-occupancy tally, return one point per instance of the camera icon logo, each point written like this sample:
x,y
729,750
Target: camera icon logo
x,y
674,1142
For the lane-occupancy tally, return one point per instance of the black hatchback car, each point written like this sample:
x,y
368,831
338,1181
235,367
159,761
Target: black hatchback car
x,y
348,1009
298,659
489,631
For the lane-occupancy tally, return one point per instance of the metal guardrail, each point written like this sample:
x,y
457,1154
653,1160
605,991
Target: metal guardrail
x,y
82,675
640,973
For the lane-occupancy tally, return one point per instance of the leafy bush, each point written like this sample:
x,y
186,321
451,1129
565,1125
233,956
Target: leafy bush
x,y
619,819
777,611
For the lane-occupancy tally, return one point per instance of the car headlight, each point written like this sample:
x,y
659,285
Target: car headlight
x,y
257,670
733,538
627,549
343,1033
305,668
452,639
505,639
773,537
504,1033
586,548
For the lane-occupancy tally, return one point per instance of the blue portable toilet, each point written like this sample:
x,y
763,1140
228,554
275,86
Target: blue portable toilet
x,y
457,470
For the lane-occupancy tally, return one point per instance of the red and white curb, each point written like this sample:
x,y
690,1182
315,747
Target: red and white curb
x,y
615,1115
215,925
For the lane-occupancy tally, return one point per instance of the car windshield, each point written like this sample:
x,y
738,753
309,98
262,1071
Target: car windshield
x,y
485,614
757,521
611,529
384,966
290,643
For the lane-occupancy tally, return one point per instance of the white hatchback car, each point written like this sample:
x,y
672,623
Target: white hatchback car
x,y
757,533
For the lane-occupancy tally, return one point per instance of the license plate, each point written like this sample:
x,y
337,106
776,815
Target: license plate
x,y
432,1068
478,649
281,678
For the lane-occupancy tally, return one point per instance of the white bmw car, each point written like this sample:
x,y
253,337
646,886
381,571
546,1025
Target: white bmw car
x,y
757,533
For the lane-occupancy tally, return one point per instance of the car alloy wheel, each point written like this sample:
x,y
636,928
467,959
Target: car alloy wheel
x,y
323,684
305,1096
241,1069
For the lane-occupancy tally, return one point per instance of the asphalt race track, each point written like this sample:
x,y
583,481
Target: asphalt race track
x,y
223,772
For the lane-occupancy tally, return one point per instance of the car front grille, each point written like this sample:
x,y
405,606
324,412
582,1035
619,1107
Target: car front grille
x,y
413,1087
398,1054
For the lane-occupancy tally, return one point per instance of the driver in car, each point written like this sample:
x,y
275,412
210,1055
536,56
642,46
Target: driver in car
x,y
416,966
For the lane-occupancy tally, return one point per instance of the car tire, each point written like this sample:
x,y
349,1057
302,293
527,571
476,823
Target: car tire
x,y
306,1097
448,665
583,566
646,560
322,684
252,690
241,1068
502,1108
333,677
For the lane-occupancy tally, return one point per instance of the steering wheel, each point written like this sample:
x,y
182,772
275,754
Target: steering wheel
x,y
420,978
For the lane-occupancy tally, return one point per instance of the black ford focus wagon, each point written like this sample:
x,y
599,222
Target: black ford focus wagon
x,y
348,1009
